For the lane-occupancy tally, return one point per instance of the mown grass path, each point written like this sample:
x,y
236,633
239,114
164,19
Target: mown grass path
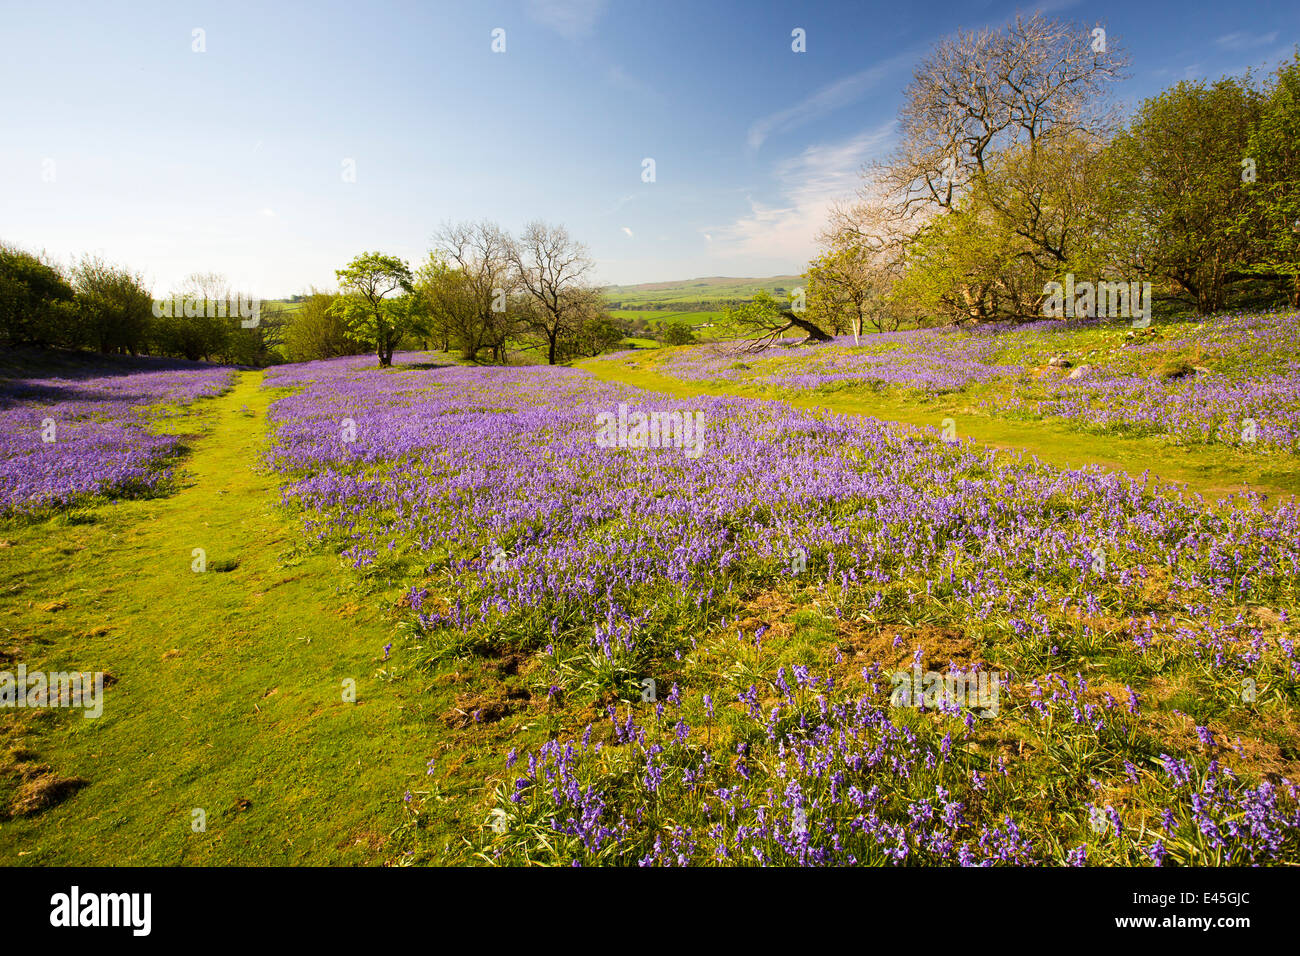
x,y
228,690
1212,471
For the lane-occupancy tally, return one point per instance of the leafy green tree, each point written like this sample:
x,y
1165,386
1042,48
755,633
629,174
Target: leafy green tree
x,y
37,305
846,289
1047,200
256,345
1178,171
195,322
115,310
196,337
377,301
597,332
676,333
1272,220
454,315
963,267
1033,212
314,331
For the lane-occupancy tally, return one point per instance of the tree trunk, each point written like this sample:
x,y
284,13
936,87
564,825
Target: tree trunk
x,y
815,334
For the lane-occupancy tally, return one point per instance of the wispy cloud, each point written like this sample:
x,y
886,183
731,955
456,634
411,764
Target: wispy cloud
x,y
1245,41
1048,6
1191,72
571,19
626,231
619,77
827,99
619,204
808,184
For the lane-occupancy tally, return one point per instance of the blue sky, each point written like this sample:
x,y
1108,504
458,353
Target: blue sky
x,y
119,139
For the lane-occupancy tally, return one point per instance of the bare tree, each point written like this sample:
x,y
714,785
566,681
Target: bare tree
x,y
552,269
476,278
999,124
981,92
206,287
869,222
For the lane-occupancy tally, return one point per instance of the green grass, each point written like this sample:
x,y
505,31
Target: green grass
x,y
227,690
660,318
285,304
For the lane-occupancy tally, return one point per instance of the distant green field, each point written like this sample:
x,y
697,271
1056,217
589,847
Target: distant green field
x,y
657,316
284,304
714,292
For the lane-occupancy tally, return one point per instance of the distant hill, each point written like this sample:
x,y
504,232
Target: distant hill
x,y
709,292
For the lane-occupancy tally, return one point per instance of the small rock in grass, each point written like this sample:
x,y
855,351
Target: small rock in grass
x,y
1059,361
1081,371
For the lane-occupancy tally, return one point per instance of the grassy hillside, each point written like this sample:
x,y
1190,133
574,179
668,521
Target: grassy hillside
x,y
712,293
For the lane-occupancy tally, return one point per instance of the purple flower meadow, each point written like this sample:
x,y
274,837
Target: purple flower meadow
x,y
85,431
485,495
